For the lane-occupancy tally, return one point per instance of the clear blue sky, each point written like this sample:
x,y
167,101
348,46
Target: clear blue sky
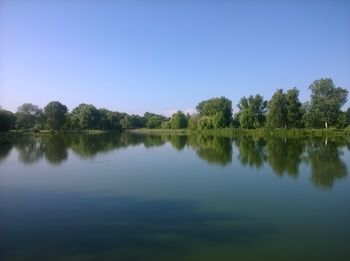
x,y
136,56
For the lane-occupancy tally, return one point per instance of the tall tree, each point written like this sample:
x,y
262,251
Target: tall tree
x,y
85,116
55,114
327,100
277,111
294,108
284,109
252,111
28,116
178,120
219,107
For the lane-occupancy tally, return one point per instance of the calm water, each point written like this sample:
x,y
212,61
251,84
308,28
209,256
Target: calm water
x,y
156,197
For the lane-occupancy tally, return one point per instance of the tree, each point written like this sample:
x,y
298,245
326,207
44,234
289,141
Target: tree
x,y
348,116
108,120
178,120
294,108
277,111
85,116
7,120
55,114
154,121
28,116
193,121
252,111
214,106
205,123
326,101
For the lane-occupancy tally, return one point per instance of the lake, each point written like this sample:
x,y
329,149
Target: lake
x,y
174,197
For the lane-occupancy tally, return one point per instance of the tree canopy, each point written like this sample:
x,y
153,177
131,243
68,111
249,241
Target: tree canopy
x,y
55,114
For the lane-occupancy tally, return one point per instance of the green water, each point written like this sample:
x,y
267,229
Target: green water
x,y
162,197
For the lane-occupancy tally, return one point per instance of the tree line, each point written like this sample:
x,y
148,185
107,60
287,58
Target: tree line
x,y
283,110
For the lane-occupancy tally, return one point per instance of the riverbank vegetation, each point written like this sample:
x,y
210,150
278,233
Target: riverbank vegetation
x,y
283,111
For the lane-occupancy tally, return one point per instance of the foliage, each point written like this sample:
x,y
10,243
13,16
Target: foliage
x,y
154,121
205,123
178,121
294,108
326,102
277,111
85,116
284,110
348,116
55,114
215,106
7,120
28,115
252,111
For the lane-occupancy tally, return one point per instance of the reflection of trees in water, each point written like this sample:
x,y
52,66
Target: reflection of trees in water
x,y
326,164
213,149
30,150
5,148
285,155
251,151
55,149
177,141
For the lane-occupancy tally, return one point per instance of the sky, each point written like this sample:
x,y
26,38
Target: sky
x,y
160,56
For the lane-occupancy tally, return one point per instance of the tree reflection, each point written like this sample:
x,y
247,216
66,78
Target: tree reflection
x,y
30,150
55,149
177,141
5,148
251,151
285,155
326,164
213,149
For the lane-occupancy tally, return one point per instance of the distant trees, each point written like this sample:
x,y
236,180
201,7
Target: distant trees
x,y
326,103
219,110
7,120
154,121
29,116
283,110
85,116
252,111
55,114
178,121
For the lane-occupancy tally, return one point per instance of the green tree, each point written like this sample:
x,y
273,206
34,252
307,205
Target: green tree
x,y
293,108
326,101
55,114
214,106
108,120
85,116
7,120
348,116
178,120
205,123
28,116
154,121
252,111
276,116
193,122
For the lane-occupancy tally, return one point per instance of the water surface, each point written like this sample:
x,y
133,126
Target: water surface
x,y
174,197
